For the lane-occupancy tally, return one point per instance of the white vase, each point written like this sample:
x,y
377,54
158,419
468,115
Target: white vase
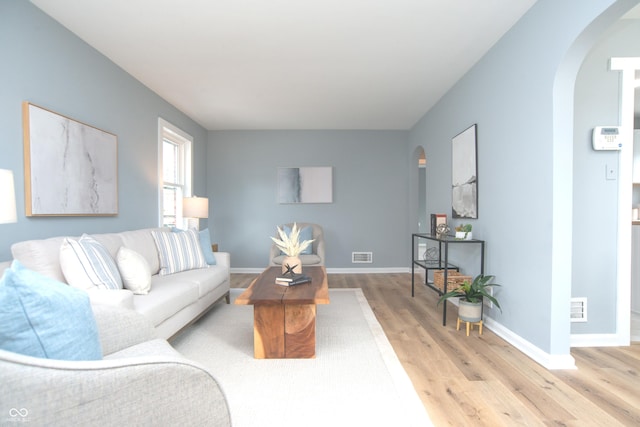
x,y
470,311
464,235
292,261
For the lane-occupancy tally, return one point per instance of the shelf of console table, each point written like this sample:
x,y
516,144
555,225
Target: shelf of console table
x,y
440,263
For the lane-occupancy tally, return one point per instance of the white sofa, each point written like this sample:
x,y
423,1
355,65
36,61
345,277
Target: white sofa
x,y
174,301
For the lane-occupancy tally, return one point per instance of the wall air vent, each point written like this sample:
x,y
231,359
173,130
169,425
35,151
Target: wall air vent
x,y
361,257
578,309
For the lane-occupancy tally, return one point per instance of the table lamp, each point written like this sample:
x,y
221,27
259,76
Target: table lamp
x,y
7,197
195,207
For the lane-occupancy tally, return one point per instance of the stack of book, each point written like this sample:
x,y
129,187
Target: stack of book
x,y
292,280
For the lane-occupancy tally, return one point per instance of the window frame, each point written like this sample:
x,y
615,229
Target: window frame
x,y
171,133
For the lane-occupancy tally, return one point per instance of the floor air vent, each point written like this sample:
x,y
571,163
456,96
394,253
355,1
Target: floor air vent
x,y
578,309
361,257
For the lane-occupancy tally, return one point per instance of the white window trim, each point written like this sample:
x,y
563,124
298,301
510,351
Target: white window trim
x,y
166,129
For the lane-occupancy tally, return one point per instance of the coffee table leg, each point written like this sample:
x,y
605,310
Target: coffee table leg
x,y
268,331
300,331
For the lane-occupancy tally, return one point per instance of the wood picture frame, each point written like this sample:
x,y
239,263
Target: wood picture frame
x,y
70,168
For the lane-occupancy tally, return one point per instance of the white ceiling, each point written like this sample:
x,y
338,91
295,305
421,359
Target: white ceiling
x,y
293,64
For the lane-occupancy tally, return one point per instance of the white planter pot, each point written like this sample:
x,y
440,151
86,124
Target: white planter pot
x,y
464,235
470,311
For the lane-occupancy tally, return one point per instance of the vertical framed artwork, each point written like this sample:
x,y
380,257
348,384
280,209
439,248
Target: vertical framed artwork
x,y
464,174
305,185
71,169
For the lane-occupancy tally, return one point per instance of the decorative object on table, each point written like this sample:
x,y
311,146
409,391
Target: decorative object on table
x,y
463,232
305,185
292,279
291,246
442,230
70,168
471,296
195,207
7,197
464,175
437,219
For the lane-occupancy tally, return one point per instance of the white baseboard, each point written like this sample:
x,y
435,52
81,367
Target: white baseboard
x,y
246,270
369,270
383,270
548,361
598,340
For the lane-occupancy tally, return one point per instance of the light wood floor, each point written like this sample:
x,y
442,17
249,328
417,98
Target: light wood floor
x,y
482,380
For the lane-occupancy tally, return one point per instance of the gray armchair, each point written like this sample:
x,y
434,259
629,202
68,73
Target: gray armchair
x,y
317,247
141,381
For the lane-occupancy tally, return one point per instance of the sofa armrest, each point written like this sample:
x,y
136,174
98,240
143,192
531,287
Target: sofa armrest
x,y
148,390
119,328
223,258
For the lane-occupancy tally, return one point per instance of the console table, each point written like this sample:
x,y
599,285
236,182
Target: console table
x,y
442,263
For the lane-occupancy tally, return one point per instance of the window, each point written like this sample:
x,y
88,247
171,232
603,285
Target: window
x,y
175,163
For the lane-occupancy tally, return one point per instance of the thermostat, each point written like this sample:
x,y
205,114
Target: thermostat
x,y
607,138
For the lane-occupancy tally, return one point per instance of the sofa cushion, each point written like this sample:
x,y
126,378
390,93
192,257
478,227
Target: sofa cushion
x,y
134,270
143,242
167,297
207,279
178,251
86,263
42,317
41,256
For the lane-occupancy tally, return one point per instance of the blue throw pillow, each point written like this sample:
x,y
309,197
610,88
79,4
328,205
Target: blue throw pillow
x,y
205,245
306,233
42,317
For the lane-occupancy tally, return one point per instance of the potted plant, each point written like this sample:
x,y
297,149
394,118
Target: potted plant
x,y
463,231
291,246
471,296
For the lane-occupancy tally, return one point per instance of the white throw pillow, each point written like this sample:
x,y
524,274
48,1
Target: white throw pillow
x,y
178,251
86,263
134,270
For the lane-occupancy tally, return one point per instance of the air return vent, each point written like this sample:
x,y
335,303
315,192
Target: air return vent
x,y
361,257
578,309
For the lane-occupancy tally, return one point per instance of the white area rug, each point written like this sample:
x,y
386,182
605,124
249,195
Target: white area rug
x,y
356,378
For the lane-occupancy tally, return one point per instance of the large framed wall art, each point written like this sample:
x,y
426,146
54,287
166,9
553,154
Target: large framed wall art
x,y
305,185
464,174
71,169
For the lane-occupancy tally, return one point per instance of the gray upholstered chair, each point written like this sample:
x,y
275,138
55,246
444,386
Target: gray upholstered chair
x,y
142,380
317,247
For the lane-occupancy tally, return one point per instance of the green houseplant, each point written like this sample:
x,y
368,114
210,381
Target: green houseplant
x,y
471,296
463,231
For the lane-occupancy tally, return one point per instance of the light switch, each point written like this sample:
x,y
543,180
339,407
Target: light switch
x,y
611,172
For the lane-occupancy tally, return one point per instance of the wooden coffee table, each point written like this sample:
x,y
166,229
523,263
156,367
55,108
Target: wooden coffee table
x,y
284,318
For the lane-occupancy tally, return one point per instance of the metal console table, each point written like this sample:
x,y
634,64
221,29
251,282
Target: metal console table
x,y
441,264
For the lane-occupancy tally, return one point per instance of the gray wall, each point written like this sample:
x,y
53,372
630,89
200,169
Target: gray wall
x,y
369,211
597,100
518,95
45,64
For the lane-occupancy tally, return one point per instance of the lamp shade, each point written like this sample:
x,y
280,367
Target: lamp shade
x,y
7,197
195,207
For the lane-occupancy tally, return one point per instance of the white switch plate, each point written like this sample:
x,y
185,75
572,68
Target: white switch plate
x,y
611,172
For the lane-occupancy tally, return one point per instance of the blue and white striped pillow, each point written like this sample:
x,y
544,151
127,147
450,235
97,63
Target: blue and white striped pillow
x,y
86,263
178,251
